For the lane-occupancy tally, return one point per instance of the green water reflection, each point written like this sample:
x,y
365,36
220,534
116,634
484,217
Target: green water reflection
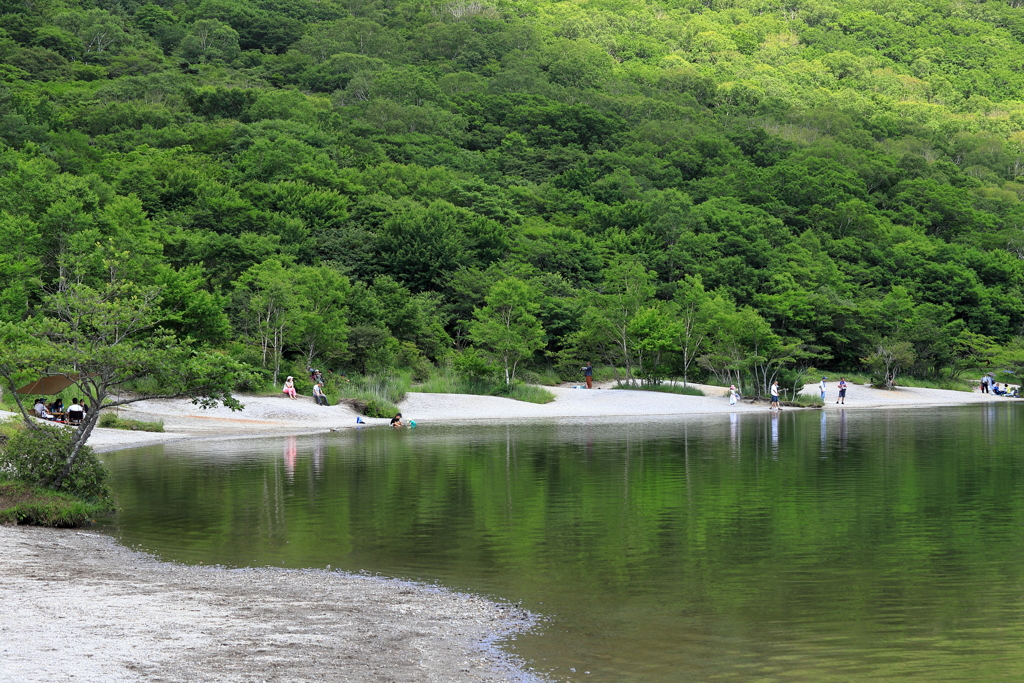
x,y
802,547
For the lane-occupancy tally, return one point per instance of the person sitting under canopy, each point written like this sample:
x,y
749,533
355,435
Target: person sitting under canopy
x,y
41,411
75,412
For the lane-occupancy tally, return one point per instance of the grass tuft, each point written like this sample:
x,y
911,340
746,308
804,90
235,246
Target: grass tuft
x,y
664,388
373,395
530,393
115,421
24,504
806,401
447,381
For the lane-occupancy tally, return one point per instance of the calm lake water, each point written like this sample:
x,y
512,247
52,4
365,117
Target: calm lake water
x,y
862,546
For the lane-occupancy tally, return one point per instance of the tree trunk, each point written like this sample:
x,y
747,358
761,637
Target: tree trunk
x,y
81,436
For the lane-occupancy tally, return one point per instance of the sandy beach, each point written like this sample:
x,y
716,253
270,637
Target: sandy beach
x,y
75,606
273,415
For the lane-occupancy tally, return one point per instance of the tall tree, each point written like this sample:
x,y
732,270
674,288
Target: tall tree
x,y
109,338
507,326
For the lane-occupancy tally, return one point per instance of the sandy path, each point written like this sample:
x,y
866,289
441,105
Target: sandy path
x,y
75,606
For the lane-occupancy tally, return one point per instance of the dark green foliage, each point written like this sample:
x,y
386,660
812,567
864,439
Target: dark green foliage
x,y
24,504
37,456
819,168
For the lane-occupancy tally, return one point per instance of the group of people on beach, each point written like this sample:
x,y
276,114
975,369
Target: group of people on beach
x,y
55,411
822,389
989,385
317,378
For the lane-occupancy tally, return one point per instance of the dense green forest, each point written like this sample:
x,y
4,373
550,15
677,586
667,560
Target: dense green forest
x,y
735,190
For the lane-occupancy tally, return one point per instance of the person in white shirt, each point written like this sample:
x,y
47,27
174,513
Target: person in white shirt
x,y
318,394
821,388
775,396
75,412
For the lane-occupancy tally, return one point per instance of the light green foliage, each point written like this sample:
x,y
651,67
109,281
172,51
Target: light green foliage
x,y
507,327
888,359
115,421
689,190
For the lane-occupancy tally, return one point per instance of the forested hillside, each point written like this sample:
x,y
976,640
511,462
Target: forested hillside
x,y
730,189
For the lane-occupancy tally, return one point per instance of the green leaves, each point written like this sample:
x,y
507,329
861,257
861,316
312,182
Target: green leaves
x,y
507,327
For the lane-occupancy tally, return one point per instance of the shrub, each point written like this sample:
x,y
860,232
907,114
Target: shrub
x,y
530,393
665,388
376,407
115,421
24,504
37,456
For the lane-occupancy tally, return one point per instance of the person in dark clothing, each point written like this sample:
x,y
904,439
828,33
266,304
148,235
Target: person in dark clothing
x,y
396,421
588,373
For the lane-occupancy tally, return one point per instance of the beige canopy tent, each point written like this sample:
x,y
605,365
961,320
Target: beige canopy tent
x,y
50,384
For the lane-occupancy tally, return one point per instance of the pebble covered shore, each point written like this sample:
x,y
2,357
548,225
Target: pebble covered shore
x,y
75,606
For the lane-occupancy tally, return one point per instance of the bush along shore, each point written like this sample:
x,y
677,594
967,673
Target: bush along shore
x,y
21,503
31,459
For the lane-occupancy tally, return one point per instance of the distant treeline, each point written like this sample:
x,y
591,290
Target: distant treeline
x,y
745,189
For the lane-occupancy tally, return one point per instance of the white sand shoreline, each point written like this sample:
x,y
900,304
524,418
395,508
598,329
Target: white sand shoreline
x,y
275,416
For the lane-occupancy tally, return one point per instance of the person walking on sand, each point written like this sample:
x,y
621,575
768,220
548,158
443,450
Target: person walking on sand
x,y
842,391
821,388
289,387
588,373
775,396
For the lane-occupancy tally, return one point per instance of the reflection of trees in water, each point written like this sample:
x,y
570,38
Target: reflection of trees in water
x,y
882,512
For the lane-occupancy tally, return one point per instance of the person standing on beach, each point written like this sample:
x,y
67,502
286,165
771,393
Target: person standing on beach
x,y
775,396
984,384
842,391
733,395
588,373
821,388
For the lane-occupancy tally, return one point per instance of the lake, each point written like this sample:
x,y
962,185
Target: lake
x,y
808,546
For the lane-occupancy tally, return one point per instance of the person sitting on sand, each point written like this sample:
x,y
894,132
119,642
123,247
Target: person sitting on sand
x,y
318,395
289,387
396,421
996,390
